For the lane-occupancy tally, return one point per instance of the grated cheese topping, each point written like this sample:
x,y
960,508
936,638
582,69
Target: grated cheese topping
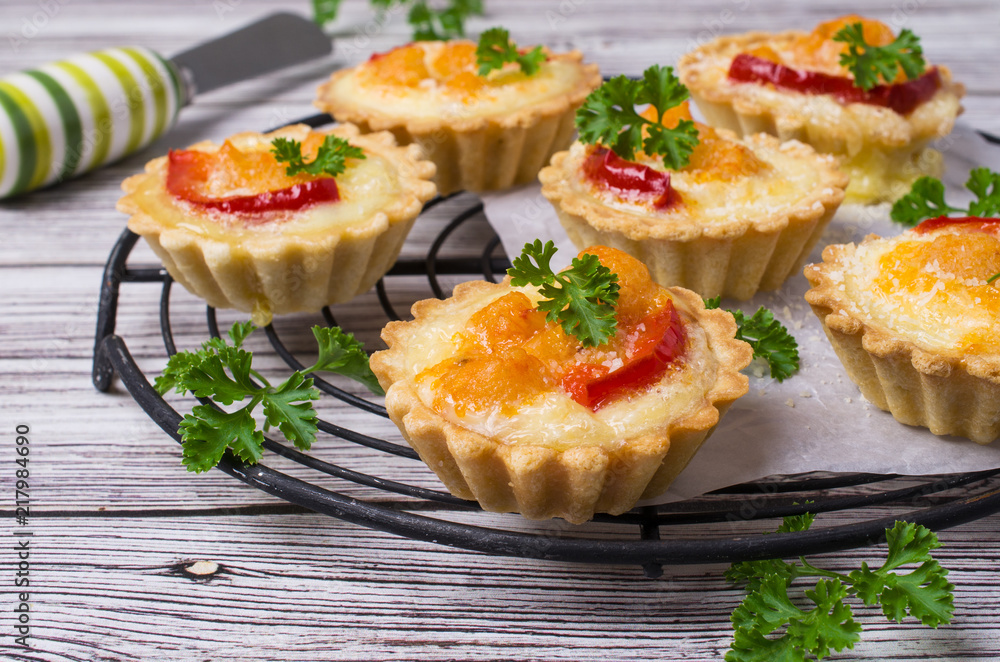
x,y
929,288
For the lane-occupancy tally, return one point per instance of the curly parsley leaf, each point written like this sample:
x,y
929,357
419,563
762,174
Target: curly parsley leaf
x,y
767,607
440,24
428,24
174,374
330,158
829,624
495,49
581,298
224,375
869,63
795,523
608,117
325,11
753,646
924,593
926,199
207,432
289,409
237,333
209,379
985,185
339,352
768,338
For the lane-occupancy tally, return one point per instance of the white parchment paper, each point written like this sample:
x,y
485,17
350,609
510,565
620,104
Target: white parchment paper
x,y
817,420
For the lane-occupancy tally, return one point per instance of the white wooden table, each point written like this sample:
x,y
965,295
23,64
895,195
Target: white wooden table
x,y
115,518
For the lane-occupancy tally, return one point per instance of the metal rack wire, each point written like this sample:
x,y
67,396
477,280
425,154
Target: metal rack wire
x,y
646,536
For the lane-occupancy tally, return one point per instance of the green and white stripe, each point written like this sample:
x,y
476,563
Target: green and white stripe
x,y
68,117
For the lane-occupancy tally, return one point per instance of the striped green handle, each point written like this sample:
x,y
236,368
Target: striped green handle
x,y
69,117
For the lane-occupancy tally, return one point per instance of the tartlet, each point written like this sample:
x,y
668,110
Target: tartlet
x,y
883,149
510,411
272,261
914,320
483,132
741,217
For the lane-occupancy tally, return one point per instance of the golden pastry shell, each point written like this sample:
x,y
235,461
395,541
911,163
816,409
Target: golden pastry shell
x,y
538,481
737,107
477,153
949,393
275,272
735,259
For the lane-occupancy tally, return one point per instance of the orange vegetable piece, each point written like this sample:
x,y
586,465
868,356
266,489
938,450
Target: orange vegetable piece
x,y
509,354
818,50
715,158
231,171
477,384
456,68
509,321
916,266
401,66
638,295
454,59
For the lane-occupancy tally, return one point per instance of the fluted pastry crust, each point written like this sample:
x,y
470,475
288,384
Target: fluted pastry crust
x,y
476,150
755,247
569,480
282,267
943,388
883,151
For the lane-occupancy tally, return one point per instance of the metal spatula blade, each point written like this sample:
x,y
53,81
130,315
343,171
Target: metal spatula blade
x,y
273,43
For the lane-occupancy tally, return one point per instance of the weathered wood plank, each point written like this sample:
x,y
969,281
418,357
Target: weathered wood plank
x,y
118,517
306,585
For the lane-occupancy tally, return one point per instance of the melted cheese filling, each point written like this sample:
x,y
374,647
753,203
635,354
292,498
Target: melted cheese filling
x,y
717,197
888,174
930,289
365,186
437,80
553,419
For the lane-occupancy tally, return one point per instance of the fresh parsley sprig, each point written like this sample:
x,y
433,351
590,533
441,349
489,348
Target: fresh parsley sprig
x,y
496,49
828,622
325,11
582,298
768,337
870,63
223,373
441,24
330,158
608,116
428,24
926,199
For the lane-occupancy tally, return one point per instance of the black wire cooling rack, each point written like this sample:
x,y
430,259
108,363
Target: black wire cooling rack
x,y
724,526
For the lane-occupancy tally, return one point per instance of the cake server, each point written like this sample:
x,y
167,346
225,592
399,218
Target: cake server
x,y
68,117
